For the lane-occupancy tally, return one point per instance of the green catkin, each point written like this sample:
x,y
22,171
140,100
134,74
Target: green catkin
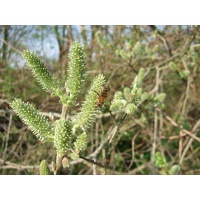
x,y
31,117
130,108
127,93
44,168
131,97
89,109
41,73
118,102
80,143
63,136
76,71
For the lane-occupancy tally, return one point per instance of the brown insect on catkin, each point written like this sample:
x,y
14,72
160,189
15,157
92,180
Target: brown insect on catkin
x,y
102,96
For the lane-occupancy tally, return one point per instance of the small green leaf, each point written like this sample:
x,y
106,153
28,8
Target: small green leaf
x,y
173,66
174,170
160,160
184,74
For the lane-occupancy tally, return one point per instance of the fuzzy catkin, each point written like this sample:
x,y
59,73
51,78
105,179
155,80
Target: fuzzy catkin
x,y
44,168
35,121
63,136
41,73
80,143
76,71
89,110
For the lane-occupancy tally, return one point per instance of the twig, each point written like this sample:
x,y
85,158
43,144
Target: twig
x,y
179,127
180,143
109,170
94,169
7,138
133,150
189,80
5,42
10,165
196,126
106,141
155,133
188,42
94,162
179,54
160,36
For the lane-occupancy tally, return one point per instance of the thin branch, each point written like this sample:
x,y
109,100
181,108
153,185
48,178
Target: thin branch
x,y
161,37
95,163
155,133
10,165
188,42
196,126
133,150
13,48
182,129
7,137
